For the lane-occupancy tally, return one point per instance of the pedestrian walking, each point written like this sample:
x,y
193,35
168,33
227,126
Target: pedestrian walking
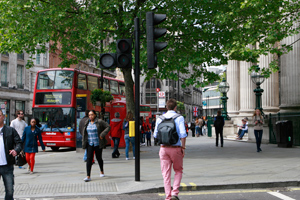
x,y
258,122
128,139
148,137
193,127
116,134
31,134
219,124
81,130
142,131
93,139
19,124
171,154
10,146
199,123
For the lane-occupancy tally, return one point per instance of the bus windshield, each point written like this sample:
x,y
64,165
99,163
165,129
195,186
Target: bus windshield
x,y
56,119
59,79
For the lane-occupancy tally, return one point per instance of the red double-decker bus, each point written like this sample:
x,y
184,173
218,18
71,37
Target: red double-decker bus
x,y
60,99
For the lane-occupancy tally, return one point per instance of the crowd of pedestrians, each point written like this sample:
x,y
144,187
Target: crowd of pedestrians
x,y
21,137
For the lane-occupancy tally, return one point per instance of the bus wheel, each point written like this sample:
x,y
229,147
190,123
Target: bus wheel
x,y
54,148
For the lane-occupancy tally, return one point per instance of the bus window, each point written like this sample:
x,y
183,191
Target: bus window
x,y
114,87
46,80
105,84
82,82
92,83
63,79
122,88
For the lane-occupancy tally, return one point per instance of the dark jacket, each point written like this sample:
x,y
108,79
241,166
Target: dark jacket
x,y
11,141
126,127
82,123
102,128
30,138
219,122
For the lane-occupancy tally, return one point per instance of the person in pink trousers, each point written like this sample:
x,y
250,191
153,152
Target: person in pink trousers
x,y
172,154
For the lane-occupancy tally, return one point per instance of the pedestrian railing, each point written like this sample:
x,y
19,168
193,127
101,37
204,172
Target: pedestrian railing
x,y
294,117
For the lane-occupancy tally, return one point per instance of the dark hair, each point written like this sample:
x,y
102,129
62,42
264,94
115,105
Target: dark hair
x,y
93,111
38,122
171,104
219,113
87,113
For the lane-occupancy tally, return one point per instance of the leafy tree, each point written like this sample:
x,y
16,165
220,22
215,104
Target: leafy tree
x,y
200,33
180,107
101,95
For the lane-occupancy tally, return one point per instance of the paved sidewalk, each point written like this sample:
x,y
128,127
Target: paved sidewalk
x,y
236,165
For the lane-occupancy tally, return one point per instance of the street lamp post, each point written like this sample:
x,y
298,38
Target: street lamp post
x,y
224,88
257,78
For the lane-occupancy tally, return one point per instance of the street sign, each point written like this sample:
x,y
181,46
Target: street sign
x,y
161,94
157,89
162,102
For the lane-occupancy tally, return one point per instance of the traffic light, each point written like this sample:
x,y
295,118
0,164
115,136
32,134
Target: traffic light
x,y
153,34
124,53
108,60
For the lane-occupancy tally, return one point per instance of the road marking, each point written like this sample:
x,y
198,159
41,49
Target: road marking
x,y
194,186
219,192
294,189
184,186
280,196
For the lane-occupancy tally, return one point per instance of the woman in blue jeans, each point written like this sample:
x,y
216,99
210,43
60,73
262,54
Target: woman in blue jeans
x,y
258,122
128,139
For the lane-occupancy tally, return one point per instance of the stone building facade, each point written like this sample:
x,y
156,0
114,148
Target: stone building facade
x,y
281,90
17,82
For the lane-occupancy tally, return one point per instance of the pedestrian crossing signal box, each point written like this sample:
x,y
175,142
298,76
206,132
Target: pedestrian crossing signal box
x,y
131,128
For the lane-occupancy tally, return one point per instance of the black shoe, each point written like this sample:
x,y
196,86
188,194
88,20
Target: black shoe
x,y
260,149
217,145
174,198
221,145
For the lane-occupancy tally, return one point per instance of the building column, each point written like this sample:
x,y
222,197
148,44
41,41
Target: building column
x,y
289,77
247,96
233,79
270,96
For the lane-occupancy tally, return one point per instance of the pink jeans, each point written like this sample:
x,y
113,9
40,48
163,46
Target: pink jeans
x,y
169,156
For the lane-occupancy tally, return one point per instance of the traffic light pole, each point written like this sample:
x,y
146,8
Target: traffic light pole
x,y
137,97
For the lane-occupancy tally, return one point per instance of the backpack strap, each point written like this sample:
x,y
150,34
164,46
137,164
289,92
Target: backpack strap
x,y
175,116
162,117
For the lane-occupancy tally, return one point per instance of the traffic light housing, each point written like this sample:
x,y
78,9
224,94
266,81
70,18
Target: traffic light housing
x,y
152,34
124,53
108,60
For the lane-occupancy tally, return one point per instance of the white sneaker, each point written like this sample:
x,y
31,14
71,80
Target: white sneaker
x,y
102,175
133,158
86,179
127,159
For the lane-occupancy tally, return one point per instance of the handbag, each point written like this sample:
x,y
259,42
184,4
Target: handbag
x,y
21,159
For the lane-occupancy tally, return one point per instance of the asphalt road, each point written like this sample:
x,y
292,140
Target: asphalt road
x,y
257,194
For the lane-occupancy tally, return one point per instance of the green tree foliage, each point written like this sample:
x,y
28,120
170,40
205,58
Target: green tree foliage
x,y
200,33
180,107
102,96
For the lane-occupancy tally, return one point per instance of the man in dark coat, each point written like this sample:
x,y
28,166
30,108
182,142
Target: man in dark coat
x,y
10,146
218,124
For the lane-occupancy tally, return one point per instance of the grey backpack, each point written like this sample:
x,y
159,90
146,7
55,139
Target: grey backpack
x,y
166,131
